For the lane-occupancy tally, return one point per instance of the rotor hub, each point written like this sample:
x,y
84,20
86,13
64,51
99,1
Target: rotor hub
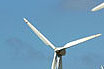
x,y
61,52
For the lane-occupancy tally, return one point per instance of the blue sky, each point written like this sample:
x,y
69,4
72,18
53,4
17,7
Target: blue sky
x,y
61,21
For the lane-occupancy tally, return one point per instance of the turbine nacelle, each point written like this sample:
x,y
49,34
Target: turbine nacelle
x,y
60,51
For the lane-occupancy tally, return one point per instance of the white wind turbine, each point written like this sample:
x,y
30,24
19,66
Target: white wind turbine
x,y
58,51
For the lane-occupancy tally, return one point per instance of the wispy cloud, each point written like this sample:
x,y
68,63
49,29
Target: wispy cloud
x,y
91,59
22,50
78,4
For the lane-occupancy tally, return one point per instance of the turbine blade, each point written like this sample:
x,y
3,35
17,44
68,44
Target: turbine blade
x,y
101,6
54,61
45,40
80,41
102,67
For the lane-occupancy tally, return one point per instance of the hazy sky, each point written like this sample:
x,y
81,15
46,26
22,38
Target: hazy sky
x,y
61,21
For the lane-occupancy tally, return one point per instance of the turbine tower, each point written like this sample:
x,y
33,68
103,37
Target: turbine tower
x,y
58,51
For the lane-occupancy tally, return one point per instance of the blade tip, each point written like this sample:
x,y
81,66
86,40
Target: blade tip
x,y
99,34
25,20
93,10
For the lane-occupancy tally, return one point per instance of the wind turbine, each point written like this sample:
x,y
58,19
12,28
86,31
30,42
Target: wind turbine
x,y
58,51
98,7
